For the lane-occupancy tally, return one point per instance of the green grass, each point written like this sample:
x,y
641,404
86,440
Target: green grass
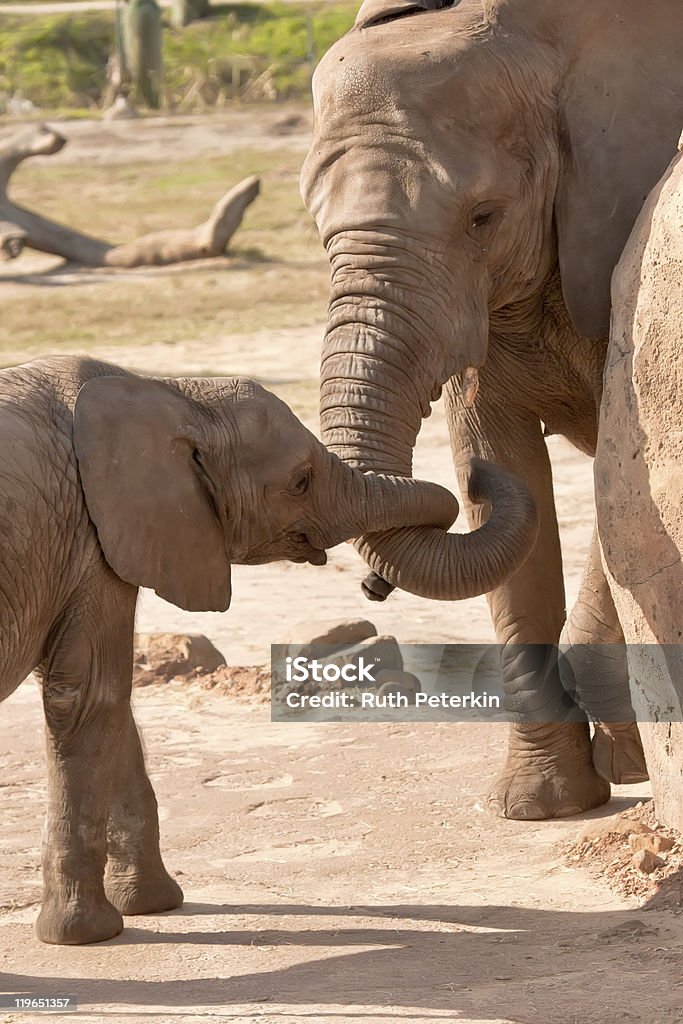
x,y
59,61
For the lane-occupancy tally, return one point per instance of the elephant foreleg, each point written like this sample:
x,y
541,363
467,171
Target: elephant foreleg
x,y
594,669
136,881
549,769
86,674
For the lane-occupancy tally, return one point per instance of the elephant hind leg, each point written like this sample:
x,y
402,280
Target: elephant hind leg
x,y
618,753
136,881
594,670
549,770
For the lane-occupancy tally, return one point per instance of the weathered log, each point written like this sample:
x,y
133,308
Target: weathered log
x,y
162,247
12,240
208,239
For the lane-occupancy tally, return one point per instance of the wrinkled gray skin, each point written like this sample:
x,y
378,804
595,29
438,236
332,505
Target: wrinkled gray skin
x,y
474,174
109,482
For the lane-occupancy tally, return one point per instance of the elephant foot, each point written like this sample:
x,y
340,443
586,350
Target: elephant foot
x,y
132,892
77,922
618,753
549,774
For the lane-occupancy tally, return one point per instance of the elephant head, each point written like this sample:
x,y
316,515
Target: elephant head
x,y
183,477
459,153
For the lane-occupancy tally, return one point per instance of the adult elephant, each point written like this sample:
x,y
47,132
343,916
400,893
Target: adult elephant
x,y
474,174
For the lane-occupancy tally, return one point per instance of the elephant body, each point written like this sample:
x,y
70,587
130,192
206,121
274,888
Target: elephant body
x,y
475,171
639,477
110,482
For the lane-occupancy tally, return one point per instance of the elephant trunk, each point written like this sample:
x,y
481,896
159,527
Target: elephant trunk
x,y
385,357
374,392
374,503
451,566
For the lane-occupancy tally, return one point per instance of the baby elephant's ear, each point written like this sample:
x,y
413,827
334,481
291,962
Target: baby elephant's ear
x,y
155,522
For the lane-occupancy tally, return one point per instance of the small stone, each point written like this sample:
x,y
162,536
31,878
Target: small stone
x,y
377,652
646,862
384,651
394,687
162,656
633,926
653,842
395,681
612,826
335,635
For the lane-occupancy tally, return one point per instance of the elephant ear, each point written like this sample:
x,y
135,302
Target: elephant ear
x,y
620,117
134,440
375,12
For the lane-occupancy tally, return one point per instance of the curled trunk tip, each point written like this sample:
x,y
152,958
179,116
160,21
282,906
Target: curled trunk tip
x,y
444,566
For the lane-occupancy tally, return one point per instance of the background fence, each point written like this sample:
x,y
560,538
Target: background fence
x,y
241,53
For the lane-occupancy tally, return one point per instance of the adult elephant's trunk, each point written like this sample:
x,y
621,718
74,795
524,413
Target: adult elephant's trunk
x,y
390,345
452,566
378,503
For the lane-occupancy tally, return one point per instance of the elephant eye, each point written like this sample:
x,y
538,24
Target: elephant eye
x,y
300,483
197,457
483,217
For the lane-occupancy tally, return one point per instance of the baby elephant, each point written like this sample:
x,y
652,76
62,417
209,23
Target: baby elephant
x,y
110,482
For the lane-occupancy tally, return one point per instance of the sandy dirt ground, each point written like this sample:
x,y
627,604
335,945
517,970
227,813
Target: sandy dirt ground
x,y
154,139
336,874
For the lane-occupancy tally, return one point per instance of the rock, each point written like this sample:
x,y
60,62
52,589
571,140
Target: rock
x,y
12,240
616,826
335,635
632,927
383,651
397,682
239,681
646,862
377,652
654,843
162,656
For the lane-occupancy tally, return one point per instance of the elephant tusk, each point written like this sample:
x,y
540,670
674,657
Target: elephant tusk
x,y
470,385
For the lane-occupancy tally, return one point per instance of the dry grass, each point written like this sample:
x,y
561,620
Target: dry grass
x,y
277,276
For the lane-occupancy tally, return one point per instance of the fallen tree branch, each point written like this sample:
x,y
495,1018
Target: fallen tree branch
x,y
12,240
162,247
